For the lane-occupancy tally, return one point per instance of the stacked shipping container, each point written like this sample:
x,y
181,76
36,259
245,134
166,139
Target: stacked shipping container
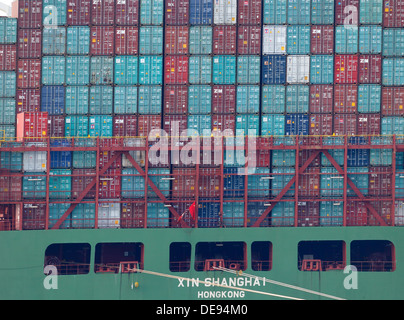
x,y
112,68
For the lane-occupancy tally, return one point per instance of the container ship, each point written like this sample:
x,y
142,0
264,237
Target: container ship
x,y
202,149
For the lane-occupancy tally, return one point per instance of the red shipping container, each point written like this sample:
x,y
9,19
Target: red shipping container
x,y
34,216
29,43
110,184
356,214
56,126
345,98
321,98
102,41
321,124
322,39
30,14
345,124
370,69
28,100
393,14
308,214
369,124
384,209
380,181
184,183
222,122
309,182
393,101
10,188
175,125
147,123
8,57
223,99
126,40
105,157
177,12
127,13
209,182
175,99
346,69
249,12
249,40
176,40
132,215
32,125
103,12
304,155
29,74
224,40
81,178
176,69
125,126
78,12
346,11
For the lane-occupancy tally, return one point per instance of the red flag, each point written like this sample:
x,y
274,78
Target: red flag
x,y
191,210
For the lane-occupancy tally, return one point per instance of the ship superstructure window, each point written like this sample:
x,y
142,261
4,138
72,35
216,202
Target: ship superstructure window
x,y
118,257
261,256
321,255
211,256
180,256
69,258
373,255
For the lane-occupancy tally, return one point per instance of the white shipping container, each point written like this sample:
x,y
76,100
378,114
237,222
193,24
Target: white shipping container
x,y
138,156
399,213
109,215
35,161
225,12
274,40
298,69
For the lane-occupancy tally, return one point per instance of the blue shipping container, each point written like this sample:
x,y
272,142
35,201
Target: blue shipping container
x,y
297,124
101,70
60,184
233,183
60,159
53,100
201,12
76,126
371,11
150,70
274,69
281,177
209,215
331,213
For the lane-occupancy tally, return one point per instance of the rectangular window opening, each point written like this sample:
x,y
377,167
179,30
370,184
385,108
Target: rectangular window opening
x,y
373,255
321,255
69,258
180,256
261,256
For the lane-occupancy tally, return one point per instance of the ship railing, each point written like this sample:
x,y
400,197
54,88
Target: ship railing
x,y
374,266
180,266
72,268
320,265
213,264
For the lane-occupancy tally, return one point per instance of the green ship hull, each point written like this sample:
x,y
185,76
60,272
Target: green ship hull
x,y
22,266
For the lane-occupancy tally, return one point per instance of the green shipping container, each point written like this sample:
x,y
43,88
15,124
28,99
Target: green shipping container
x,y
102,70
34,185
7,111
369,98
370,39
54,41
53,70
150,100
283,158
151,12
54,12
299,12
275,11
371,11
273,99
126,70
346,39
7,84
76,126
101,126
381,157
84,159
331,213
298,40
133,184
331,183
224,70
160,177
337,154
125,100
200,39
233,214
248,99
322,12
200,70
199,99
56,211
101,100
77,70
157,215
248,69
322,69
273,125
360,178
393,72
393,125
297,99
8,30
199,124
77,100
258,183
393,42
151,40
150,70
283,214
60,184
83,216
247,124
78,40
